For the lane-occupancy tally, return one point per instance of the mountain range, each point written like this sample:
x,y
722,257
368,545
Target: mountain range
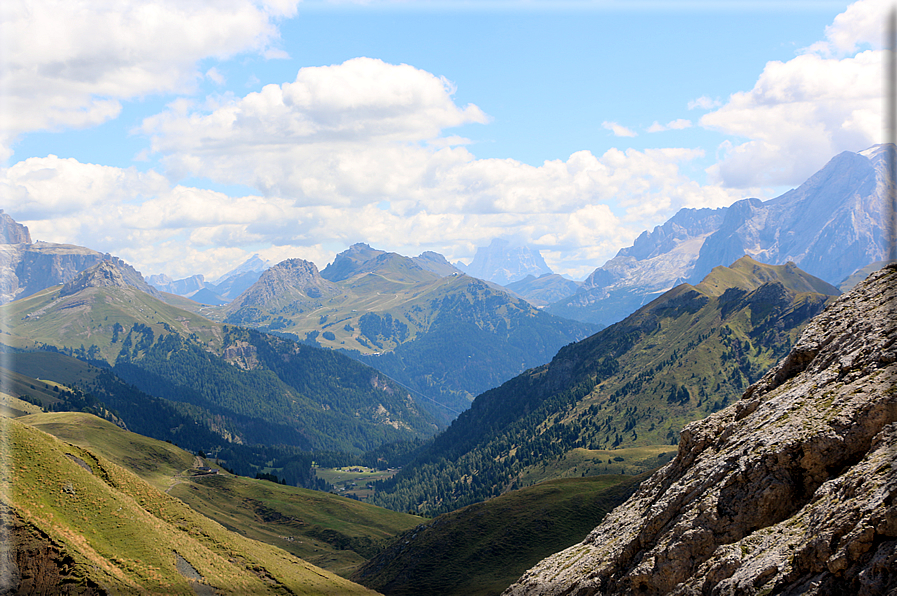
x,y
680,358
830,226
221,291
445,335
765,400
240,385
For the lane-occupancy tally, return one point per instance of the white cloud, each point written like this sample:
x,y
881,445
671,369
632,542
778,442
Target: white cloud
x,y
215,76
802,112
704,103
858,26
618,129
680,124
336,135
70,64
586,207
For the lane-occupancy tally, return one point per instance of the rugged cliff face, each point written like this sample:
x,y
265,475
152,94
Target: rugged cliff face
x,y
12,232
789,491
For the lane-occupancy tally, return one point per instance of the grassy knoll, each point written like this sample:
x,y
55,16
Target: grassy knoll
x,y
333,532
157,462
105,528
336,533
13,407
481,549
592,462
352,480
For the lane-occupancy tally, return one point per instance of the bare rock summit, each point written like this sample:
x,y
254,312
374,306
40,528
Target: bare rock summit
x,y
791,490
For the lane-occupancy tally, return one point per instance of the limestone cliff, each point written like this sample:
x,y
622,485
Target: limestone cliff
x,y
789,491
12,232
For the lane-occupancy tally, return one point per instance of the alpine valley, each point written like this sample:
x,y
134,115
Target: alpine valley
x,y
720,419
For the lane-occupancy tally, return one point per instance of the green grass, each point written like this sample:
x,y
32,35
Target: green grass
x,y
587,462
157,462
121,533
481,549
350,482
333,532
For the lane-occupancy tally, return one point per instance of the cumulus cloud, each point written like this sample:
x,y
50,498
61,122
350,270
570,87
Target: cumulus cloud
x,y
70,64
680,124
802,112
584,208
618,129
704,103
336,135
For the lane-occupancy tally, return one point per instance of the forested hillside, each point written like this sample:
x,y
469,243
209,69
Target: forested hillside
x,y
239,385
445,335
680,358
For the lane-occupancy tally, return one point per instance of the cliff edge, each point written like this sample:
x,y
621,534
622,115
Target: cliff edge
x,y
789,491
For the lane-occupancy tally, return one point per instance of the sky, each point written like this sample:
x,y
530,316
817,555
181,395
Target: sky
x,y
186,137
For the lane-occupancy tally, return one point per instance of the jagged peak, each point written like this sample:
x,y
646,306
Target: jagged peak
x,y
12,232
104,274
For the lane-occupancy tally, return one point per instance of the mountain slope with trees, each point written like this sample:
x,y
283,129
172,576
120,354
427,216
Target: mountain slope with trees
x,y
445,335
243,385
687,354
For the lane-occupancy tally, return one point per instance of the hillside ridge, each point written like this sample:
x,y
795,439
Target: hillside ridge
x,y
789,490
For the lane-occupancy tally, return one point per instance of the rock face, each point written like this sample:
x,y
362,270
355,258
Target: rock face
x,y
789,491
502,263
829,227
293,283
108,273
12,232
29,268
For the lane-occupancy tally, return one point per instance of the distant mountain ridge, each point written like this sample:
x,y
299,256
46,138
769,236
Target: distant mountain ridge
x,y
503,263
685,355
444,334
829,226
221,291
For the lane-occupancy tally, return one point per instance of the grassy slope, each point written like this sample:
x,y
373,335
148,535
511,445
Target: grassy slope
x,y
483,548
333,532
89,317
116,531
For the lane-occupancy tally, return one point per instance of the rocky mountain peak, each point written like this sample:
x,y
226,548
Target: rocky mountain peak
x,y
792,489
503,263
104,274
347,263
12,232
285,283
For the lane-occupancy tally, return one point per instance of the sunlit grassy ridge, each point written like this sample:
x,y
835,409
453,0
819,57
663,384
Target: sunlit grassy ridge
x,y
122,534
333,532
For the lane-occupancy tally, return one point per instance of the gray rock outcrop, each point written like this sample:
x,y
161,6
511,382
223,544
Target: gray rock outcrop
x,y
829,226
792,490
12,232
504,263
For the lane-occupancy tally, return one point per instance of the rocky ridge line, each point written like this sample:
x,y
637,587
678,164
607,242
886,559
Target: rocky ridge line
x,y
789,491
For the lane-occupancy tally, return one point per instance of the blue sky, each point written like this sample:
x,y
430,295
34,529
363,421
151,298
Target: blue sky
x,y
189,139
